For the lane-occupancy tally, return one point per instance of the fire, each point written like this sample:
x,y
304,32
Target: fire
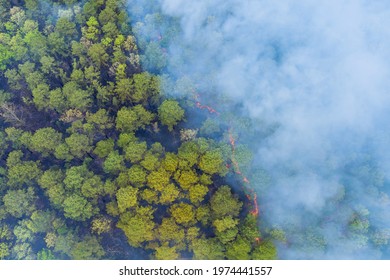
x,y
234,163
210,109
201,106
255,211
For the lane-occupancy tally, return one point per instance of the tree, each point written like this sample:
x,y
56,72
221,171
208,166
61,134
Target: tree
x,y
169,194
223,203
125,139
26,172
92,188
170,162
154,59
144,86
188,154
98,55
238,249
41,95
5,56
45,140
158,179
40,221
131,119
126,198
4,250
66,29
87,249
207,249
75,177
137,175
36,43
99,120
138,228
212,162
170,113
113,163
92,31
78,208
78,144
183,213
150,162
186,179
170,231
165,252
123,89
104,148
76,97
249,228
266,250
134,151
45,254
19,202
101,225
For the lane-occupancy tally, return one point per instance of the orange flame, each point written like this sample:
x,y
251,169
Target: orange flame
x,y
201,106
255,211
236,169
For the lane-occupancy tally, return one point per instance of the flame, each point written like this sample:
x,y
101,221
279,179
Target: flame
x,y
255,211
210,109
234,163
257,239
201,106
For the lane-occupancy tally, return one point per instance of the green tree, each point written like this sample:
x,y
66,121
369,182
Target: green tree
x,y
212,162
40,221
98,55
131,119
78,145
113,163
126,198
45,140
104,148
78,208
183,213
158,179
170,113
150,162
238,249
101,225
45,254
76,97
19,202
165,252
170,231
87,249
266,250
207,249
223,203
137,175
138,228
4,250
186,179
169,194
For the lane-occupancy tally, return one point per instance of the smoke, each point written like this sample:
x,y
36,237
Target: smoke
x,y
320,72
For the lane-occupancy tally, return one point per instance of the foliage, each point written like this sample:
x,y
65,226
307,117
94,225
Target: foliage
x,y
89,140
170,113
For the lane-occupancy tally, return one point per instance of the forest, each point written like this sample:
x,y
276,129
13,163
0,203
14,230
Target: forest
x,y
99,160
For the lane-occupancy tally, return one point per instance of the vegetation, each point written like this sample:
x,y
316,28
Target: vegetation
x,y
89,145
